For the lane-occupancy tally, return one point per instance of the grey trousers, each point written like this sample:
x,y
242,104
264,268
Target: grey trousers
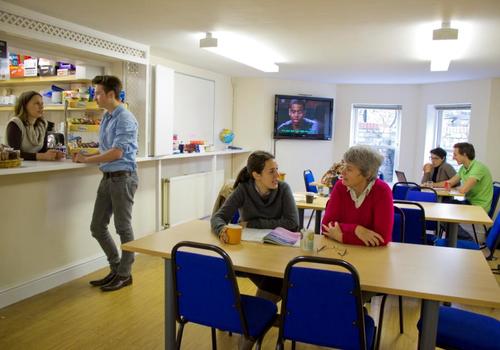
x,y
115,196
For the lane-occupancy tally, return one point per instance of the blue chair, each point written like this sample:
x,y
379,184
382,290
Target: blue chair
x,y
414,222
464,330
425,194
308,178
493,207
399,189
398,235
334,317
207,294
491,243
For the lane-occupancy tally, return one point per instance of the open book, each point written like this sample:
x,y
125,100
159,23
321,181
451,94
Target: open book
x,y
279,236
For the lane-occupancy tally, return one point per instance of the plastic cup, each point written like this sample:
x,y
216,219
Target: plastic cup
x,y
307,240
234,233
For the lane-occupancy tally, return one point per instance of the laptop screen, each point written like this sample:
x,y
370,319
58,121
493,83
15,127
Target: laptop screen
x,y
401,176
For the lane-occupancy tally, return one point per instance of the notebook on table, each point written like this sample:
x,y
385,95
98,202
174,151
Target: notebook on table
x,y
279,236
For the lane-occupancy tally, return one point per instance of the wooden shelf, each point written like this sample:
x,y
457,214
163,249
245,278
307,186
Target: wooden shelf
x,y
6,108
84,127
52,108
43,80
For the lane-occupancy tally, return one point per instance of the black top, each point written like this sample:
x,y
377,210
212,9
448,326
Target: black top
x,y
15,139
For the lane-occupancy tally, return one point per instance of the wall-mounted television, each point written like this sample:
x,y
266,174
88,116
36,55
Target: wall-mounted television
x,y
304,118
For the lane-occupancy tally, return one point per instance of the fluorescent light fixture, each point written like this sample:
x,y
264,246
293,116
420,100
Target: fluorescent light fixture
x,y
444,47
242,50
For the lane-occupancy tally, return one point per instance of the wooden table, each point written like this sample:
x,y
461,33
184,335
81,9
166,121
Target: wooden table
x,y
433,274
318,205
453,215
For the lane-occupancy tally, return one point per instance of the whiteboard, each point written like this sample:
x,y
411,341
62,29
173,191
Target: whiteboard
x,y
194,108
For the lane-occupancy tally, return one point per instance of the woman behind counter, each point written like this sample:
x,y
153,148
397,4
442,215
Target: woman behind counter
x,y
27,131
360,210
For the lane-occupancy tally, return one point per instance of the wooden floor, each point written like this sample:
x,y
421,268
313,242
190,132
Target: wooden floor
x,y
78,316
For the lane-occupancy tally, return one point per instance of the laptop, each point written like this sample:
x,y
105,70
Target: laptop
x,y
401,176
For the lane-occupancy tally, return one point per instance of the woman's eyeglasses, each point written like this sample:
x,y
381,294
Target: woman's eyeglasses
x,y
341,251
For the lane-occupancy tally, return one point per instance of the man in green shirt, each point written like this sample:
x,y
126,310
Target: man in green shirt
x,y
477,184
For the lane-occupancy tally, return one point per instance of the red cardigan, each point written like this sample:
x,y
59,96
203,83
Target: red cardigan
x,y
376,213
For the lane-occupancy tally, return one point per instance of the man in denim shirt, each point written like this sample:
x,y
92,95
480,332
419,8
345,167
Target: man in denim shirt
x,y
115,195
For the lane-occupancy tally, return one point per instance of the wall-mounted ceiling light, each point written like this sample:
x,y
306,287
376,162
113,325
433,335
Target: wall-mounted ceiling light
x,y
241,50
444,47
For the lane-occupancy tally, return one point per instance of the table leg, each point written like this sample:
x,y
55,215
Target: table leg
x,y
452,234
317,224
429,314
170,341
301,218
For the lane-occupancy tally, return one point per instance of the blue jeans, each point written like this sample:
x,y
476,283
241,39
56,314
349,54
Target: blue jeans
x,y
115,196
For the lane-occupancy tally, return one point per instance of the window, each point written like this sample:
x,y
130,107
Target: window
x,y
452,126
378,126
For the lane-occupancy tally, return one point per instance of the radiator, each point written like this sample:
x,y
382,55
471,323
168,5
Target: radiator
x,y
189,197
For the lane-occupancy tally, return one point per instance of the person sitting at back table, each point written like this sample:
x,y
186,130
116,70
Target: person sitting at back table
x,y
474,176
360,210
27,130
438,169
264,202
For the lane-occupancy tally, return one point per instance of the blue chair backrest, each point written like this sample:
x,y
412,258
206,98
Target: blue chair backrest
x,y
417,195
398,229
323,307
494,200
308,178
399,189
205,288
414,223
493,238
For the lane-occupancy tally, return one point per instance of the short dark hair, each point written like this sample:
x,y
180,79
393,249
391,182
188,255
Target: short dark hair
x,y
438,151
297,102
109,83
465,148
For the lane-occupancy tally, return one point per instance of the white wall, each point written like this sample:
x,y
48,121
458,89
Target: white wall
x,y
253,121
253,127
475,92
493,131
405,95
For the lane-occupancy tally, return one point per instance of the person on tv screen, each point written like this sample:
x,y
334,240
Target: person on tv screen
x,y
298,123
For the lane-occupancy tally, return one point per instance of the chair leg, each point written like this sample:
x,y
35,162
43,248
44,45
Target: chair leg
x,y
293,344
214,339
475,233
179,334
310,218
380,321
401,325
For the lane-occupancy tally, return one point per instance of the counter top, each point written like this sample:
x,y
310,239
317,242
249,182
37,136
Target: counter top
x,y
33,166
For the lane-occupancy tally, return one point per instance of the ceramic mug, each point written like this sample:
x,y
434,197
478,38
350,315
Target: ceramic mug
x,y
234,233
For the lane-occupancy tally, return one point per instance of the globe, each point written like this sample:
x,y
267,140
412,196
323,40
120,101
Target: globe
x,y
226,136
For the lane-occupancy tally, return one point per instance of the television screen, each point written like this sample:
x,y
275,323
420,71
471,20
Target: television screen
x,y
300,117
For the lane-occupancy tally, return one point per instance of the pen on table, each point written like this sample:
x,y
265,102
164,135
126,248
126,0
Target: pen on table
x,y
320,249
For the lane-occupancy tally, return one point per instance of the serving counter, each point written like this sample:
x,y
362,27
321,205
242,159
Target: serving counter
x,y
45,213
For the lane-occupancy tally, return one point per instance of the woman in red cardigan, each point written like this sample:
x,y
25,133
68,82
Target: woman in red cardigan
x,y
360,210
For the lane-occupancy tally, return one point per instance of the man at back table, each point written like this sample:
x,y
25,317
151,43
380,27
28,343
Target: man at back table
x,y
475,177
298,122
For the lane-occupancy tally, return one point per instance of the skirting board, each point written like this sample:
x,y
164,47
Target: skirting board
x,y
51,280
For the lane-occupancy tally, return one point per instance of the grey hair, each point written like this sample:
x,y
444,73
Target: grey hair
x,y
366,159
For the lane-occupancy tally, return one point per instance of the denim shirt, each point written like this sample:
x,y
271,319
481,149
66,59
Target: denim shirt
x,y
119,130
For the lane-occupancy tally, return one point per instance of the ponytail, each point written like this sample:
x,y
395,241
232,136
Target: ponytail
x,y
243,176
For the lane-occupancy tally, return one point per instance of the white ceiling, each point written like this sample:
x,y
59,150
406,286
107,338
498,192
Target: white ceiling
x,y
338,41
